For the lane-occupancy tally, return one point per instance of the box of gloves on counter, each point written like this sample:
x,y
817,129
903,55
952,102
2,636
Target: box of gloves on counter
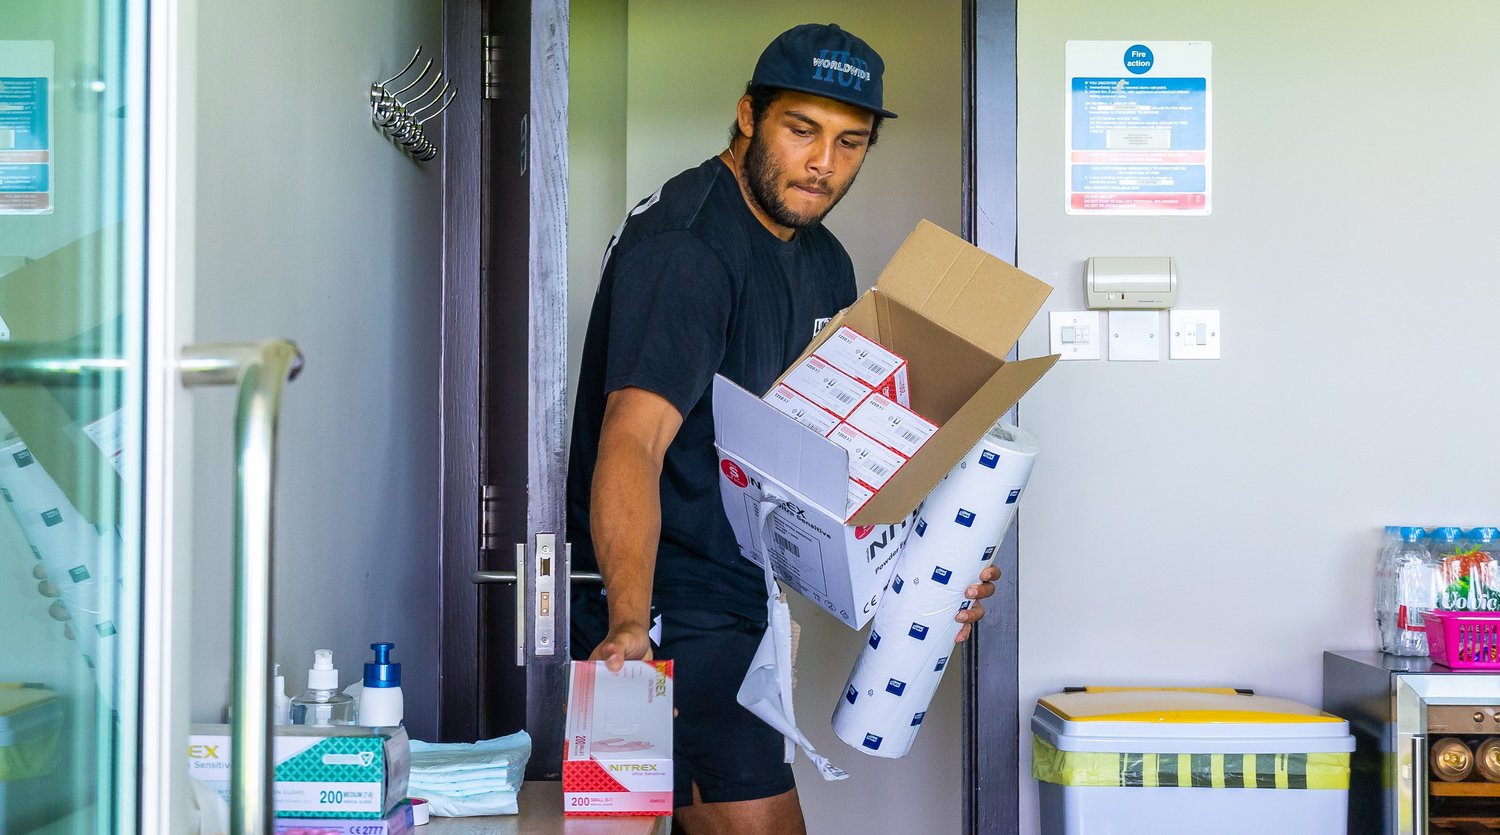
x,y
825,473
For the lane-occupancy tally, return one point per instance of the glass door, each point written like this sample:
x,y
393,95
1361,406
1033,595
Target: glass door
x,y
72,413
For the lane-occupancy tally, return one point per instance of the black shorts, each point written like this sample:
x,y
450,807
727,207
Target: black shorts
x,y
727,750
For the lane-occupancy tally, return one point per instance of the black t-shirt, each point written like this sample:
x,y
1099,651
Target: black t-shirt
x,y
693,285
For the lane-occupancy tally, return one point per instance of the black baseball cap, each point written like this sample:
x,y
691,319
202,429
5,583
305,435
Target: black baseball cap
x,y
826,61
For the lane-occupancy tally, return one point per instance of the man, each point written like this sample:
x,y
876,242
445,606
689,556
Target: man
x,y
726,269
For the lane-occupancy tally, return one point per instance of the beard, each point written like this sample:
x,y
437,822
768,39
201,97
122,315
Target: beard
x,y
766,178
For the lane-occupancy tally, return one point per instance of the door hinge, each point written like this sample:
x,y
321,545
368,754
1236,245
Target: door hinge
x,y
492,69
489,518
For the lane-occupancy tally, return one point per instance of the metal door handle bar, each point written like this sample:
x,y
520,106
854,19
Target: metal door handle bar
x,y
519,579
260,370
486,577
54,364
1419,784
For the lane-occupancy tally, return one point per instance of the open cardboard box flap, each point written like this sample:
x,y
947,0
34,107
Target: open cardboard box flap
x,y
911,484
970,292
953,311
798,458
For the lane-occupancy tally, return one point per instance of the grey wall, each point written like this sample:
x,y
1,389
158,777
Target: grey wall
x,y
597,199
1216,522
311,225
681,67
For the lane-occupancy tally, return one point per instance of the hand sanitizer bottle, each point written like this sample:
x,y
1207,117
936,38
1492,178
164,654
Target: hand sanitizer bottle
x,y
380,701
322,704
281,706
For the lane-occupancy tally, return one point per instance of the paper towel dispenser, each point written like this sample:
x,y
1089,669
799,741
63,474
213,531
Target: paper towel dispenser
x,y
1125,283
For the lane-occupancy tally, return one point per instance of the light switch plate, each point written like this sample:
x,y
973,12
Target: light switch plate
x,y
1193,334
1075,334
1135,335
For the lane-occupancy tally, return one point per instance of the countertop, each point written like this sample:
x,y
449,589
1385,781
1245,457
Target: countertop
x,y
542,814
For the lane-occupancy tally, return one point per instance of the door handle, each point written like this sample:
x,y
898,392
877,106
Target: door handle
x,y
260,370
1419,784
542,582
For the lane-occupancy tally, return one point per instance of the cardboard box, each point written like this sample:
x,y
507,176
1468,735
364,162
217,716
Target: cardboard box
x,y
617,757
802,410
953,312
343,771
823,384
868,361
399,822
892,424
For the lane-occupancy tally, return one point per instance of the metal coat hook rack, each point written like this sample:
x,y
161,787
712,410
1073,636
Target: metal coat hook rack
x,y
402,116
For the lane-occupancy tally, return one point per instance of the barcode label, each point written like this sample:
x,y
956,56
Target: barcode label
x,y
826,386
874,462
859,356
891,424
786,545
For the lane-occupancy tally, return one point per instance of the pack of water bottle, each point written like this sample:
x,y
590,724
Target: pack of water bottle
x,y
1426,569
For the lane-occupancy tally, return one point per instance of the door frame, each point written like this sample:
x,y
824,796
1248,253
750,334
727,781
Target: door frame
x,y
991,682
467,220
991,790
458,388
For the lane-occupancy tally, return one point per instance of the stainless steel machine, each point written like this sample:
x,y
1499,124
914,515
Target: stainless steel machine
x,y
1398,709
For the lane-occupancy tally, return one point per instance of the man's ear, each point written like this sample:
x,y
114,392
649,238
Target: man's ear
x,y
745,116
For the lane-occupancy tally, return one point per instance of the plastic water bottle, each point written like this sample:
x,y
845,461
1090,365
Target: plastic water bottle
x,y
1385,614
1407,588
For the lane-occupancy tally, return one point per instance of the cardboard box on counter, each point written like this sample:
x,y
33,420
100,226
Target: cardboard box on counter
x,y
617,756
399,822
953,312
342,771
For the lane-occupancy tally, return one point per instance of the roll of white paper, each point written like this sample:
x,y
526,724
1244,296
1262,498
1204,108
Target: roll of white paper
x,y
69,550
911,637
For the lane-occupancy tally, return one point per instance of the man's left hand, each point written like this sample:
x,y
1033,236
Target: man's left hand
x,y
977,592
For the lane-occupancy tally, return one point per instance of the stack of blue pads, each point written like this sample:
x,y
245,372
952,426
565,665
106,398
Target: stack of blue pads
x,y
461,779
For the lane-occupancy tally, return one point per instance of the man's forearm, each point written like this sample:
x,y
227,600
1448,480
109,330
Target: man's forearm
x,y
625,519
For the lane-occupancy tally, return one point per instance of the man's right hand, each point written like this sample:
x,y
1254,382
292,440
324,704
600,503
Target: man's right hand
x,y
627,642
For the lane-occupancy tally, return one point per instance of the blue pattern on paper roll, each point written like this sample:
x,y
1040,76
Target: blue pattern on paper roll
x,y
874,639
1015,496
962,515
851,695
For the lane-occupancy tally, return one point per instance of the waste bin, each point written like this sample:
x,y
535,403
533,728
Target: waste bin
x,y
30,725
1168,761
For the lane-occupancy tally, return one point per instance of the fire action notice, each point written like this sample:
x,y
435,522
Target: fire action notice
x,y
1139,128
25,127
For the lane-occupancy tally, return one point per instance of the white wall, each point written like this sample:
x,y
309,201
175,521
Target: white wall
x,y
1216,522
686,65
313,226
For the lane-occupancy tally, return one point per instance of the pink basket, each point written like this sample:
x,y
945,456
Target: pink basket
x,y
1464,640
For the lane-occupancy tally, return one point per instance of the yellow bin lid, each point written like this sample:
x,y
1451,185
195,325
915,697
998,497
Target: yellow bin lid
x,y
1217,719
26,710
